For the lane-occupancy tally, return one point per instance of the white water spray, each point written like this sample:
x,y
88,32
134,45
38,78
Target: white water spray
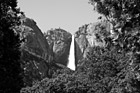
x,y
71,59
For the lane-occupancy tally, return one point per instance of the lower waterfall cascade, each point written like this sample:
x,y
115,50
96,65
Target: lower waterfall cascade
x,y
71,58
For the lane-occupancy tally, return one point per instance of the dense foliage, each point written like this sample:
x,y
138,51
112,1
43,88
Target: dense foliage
x,y
124,17
104,71
10,67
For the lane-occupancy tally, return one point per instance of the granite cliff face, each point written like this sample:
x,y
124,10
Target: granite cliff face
x,y
59,42
36,54
90,35
34,40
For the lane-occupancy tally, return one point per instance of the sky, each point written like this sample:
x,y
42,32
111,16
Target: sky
x,y
66,14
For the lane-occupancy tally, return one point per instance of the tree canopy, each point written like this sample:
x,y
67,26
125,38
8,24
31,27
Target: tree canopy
x,y
10,65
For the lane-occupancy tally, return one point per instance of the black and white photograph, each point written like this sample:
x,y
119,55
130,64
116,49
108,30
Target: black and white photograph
x,y
69,46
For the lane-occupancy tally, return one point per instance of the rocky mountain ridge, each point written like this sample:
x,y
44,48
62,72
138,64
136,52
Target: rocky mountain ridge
x,y
44,52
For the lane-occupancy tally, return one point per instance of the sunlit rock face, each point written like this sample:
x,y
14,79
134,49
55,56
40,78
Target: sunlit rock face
x,y
71,58
90,35
59,42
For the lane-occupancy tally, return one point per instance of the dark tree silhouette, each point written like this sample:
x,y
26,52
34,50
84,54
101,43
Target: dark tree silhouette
x,y
10,65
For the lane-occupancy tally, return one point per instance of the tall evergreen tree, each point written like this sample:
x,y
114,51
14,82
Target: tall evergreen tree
x,y
10,67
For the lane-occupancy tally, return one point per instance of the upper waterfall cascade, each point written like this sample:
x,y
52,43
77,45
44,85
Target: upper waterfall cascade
x,y
71,59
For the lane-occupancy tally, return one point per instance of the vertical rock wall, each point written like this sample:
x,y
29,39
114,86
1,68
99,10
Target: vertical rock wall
x,y
90,35
59,41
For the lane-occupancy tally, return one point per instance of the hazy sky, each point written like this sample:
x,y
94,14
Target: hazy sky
x,y
66,14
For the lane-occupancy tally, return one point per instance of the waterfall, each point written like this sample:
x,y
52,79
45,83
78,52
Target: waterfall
x,y
71,59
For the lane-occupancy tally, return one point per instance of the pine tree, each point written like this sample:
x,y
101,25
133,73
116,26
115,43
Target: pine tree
x,y
10,66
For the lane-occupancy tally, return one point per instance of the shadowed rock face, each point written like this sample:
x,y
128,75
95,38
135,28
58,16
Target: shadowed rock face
x,y
36,54
90,35
35,40
59,42
35,67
